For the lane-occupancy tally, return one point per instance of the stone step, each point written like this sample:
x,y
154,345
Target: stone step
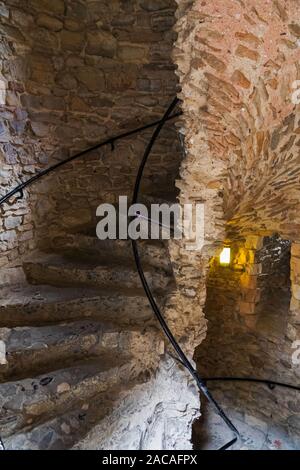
x,y
90,248
37,350
27,305
89,228
27,403
60,272
64,431
32,351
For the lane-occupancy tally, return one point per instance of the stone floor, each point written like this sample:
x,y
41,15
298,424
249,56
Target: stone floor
x,y
210,432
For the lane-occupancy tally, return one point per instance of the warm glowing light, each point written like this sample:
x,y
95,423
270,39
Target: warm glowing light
x,y
225,255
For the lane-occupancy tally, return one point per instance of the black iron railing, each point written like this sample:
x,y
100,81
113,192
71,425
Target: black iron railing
x,y
181,357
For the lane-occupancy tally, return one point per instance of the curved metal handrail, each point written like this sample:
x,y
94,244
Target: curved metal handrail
x,y
181,355
110,141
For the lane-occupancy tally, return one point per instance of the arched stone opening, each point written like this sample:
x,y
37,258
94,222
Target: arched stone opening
x,y
251,333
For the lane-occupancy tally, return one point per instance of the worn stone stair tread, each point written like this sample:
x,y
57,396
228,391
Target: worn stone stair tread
x,y
75,332
37,350
29,305
65,430
59,271
28,402
88,247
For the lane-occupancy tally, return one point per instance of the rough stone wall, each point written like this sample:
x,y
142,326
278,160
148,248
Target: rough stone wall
x,y
74,73
255,341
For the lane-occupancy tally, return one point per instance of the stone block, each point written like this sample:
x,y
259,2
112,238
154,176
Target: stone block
x,y
245,52
156,5
53,103
3,359
254,269
4,11
250,321
143,84
162,22
251,256
3,87
12,99
77,104
120,82
12,222
110,340
92,78
132,53
66,80
294,304
101,43
63,387
11,33
72,41
3,129
49,22
22,18
26,236
295,270
295,317
296,291
54,6
40,129
3,261
8,236
295,250
239,79
295,29
44,41
251,295
247,308
292,332
11,276
73,25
